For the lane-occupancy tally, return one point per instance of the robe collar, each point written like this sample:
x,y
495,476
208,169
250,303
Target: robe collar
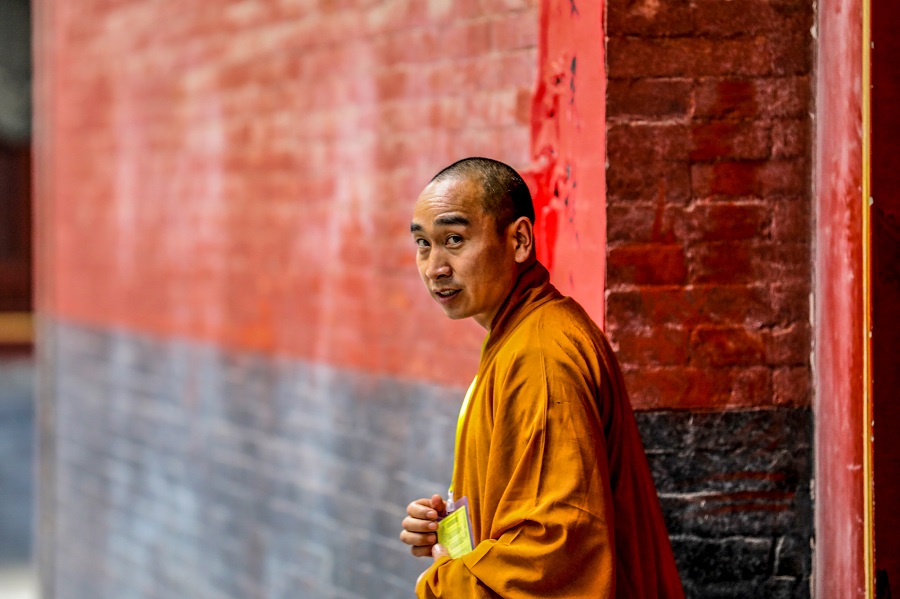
x,y
531,290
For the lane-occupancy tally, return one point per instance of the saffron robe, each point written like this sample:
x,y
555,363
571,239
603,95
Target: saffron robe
x,y
551,461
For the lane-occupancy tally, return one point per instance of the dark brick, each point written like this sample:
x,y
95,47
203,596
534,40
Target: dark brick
x,y
791,556
792,385
752,98
747,17
750,305
726,560
660,18
703,431
788,346
659,181
790,53
790,301
648,98
749,178
691,388
790,139
726,346
653,142
642,222
727,262
659,345
697,57
722,140
786,587
646,264
791,220
730,221
749,477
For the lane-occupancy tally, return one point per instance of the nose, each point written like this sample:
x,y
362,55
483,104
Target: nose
x,y
437,266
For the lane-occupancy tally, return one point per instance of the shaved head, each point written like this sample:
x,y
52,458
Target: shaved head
x,y
504,195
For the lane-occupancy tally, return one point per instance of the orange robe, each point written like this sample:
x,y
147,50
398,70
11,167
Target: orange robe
x,y
550,459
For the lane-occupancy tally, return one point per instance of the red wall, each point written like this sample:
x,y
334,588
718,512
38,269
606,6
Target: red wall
x,y
244,172
709,143
245,176
567,176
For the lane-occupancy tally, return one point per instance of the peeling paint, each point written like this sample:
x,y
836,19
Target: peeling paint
x,y
567,175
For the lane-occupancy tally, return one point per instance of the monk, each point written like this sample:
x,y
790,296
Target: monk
x,y
548,463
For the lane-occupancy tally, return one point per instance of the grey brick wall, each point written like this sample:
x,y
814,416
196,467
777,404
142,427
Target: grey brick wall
x,y
185,471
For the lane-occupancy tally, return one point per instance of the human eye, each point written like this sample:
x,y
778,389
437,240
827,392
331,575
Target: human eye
x,y
421,243
454,239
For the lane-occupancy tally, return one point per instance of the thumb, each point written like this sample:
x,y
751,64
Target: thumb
x,y
438,551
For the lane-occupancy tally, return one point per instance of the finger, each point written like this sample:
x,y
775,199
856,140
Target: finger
x,y
421,551
437,502
438,551
417,525
422,509
418,539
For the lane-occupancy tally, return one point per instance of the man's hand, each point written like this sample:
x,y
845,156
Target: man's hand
x,y
420,525
437,552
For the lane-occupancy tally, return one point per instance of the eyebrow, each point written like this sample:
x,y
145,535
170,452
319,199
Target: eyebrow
x,y
449,220
452,219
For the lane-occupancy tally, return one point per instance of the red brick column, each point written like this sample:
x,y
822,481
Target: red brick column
x,y
709,201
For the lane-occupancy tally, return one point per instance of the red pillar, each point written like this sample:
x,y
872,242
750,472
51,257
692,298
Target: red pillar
x,y
840,341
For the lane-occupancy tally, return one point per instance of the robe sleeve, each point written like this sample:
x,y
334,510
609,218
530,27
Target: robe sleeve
x,y
546,495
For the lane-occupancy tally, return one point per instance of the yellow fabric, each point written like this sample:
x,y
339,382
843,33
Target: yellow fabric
x,y
551,462
459,428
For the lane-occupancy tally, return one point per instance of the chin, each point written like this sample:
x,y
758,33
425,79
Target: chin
x,y
456,316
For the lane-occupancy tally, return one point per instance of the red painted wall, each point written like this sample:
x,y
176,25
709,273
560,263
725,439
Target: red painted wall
x,y
246,176
243,172
838,303
567,176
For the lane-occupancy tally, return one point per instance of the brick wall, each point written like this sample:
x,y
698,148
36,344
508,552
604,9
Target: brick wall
x,y
191,471
234,337
273,148
709,272
709,201
236,343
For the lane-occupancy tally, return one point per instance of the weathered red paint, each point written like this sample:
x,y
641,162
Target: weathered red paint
x,y
839,374
247,178
568,179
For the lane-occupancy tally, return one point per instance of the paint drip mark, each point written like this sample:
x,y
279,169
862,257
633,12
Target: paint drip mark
x,y
572,79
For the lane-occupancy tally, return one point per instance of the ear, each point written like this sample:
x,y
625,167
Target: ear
x,y
521,234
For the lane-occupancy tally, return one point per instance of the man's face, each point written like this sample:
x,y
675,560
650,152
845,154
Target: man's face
x,y
467,266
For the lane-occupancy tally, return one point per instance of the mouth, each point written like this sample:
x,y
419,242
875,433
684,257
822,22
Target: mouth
x,y
444,295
